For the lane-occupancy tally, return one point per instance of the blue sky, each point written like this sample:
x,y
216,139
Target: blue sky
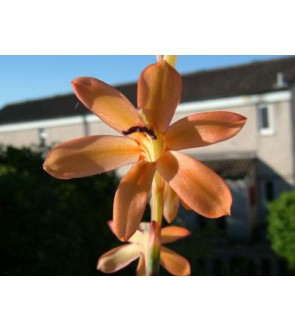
x,y
32,77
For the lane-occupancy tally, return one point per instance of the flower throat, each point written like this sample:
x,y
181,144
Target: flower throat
x,y
150,142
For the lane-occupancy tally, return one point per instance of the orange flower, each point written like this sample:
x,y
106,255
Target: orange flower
x,y
151,145
118,258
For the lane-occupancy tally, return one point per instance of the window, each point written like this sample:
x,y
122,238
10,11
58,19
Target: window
x,y
265,119
42,137
269,191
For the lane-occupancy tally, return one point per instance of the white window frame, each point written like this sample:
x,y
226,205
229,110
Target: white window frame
x,y
270,114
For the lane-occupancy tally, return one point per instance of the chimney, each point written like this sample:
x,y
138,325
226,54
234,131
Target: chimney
x,y
280,82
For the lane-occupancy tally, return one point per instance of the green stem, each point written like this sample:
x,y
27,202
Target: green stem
x,y
154,248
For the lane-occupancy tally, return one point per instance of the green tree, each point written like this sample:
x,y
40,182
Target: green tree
x,y
281,227
50,226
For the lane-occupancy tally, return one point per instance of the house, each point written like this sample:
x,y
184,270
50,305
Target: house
x,y
258,164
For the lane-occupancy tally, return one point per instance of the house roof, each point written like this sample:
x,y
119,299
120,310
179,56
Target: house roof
x,y
248,79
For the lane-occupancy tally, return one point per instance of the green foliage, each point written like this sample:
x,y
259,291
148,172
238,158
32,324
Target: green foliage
x,y
281,228
50,226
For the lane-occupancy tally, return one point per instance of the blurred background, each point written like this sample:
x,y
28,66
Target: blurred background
x,y
54,227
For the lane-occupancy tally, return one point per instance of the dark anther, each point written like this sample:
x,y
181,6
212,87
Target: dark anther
x,y
140,129
151,133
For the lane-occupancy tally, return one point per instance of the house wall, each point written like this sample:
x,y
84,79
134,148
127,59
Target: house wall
x,y
275,155
276,151
64,133
54,134
20,138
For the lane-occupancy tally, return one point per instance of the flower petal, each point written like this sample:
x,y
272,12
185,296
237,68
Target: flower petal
x,y
110,105
203,129
171,203
139,236
185,205
140,270
174,263
197,185
117,258
90,155
111,225
159,92
131,199
173,233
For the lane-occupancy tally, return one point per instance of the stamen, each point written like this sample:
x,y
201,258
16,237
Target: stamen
x,y
140,129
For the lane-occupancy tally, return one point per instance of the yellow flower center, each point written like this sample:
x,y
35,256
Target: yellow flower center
x,y
151,146
150,142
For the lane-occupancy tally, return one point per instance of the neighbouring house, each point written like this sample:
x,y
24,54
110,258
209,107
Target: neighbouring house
x,y
258,163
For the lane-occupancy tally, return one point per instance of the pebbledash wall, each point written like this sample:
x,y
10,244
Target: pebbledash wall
x,y
274,147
